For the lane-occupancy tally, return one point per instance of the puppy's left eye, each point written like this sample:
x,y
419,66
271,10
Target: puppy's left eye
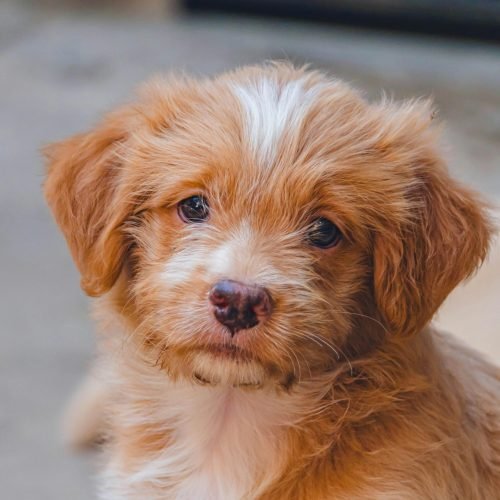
x,y
323,233
193,209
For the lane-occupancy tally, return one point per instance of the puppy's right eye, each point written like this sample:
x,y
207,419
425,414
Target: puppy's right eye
x,y
194,209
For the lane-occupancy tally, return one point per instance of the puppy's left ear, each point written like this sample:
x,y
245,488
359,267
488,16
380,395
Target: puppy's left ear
x,y
83,189
443,239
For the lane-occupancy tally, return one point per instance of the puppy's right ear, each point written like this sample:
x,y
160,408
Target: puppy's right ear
x,y
83,190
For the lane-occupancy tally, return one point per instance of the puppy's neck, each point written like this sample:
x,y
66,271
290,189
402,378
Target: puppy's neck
x,y
224,441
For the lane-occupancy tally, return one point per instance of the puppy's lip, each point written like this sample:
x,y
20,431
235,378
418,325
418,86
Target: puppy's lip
x,y
228,351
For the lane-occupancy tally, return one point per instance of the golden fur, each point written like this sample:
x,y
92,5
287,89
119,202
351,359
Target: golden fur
x,y
346,392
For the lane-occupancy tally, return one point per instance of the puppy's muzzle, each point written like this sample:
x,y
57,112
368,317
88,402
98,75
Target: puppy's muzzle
x,y
238,306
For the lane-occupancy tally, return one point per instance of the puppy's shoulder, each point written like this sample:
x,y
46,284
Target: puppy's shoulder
x,y
476,384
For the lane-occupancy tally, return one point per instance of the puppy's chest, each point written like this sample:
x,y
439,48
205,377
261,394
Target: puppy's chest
x,y
224,442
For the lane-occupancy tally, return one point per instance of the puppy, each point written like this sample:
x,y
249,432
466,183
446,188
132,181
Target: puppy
x,y
268,250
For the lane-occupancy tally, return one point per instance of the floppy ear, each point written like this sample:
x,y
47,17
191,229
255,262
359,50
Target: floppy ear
x,y
83,190
418,262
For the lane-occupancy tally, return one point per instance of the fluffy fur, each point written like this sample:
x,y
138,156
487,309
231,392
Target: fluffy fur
x,y
346,392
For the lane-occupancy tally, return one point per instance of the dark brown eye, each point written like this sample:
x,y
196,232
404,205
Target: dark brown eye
x,y
193,209
323,233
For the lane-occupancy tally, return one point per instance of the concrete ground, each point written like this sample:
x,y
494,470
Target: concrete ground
x,y
59,71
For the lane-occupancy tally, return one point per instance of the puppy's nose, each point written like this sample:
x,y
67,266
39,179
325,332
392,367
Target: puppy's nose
x,y
239,306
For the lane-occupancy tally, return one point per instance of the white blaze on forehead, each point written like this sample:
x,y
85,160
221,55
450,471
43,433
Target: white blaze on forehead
x,y
270,108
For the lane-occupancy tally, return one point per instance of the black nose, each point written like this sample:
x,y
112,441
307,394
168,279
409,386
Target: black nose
x,y
239,306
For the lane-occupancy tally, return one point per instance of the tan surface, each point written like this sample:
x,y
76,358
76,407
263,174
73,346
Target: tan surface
x,y
472,311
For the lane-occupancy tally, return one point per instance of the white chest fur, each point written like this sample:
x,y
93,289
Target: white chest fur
x,y
226,442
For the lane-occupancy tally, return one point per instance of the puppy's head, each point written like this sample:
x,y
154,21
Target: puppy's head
x,y
265,223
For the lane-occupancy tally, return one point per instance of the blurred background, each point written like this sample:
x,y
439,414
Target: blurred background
x,y
62,63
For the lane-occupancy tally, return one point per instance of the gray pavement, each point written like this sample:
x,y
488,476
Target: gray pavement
x,y
58,72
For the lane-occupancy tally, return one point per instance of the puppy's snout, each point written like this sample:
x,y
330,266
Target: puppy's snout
x,y
238,306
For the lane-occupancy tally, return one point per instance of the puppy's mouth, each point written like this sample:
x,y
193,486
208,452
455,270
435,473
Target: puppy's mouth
x,y
227,363
220,346
229,351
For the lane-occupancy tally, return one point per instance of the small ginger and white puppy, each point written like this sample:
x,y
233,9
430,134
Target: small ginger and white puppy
x,y
268,249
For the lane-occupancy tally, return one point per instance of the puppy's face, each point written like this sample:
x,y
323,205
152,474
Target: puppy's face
x,y
243,263
265,224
